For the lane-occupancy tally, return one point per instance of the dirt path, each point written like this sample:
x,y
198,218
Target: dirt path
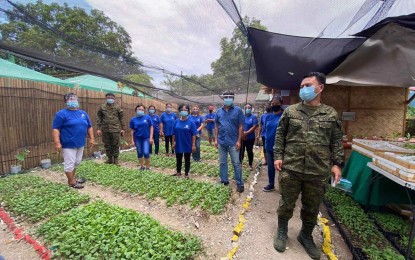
x,y
12,249
216,231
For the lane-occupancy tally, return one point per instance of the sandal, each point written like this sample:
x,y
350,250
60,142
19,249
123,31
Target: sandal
x,y
80,180
186,176
76,186
177,174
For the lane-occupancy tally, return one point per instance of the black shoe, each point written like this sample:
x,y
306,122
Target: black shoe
x,y
240,189
223,183
268,188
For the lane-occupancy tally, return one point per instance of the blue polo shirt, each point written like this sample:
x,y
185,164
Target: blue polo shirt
x,y
156,123
141,126
183,132
73,126
197,120
210,125
250,121
168,122
262,123
271,124
228,123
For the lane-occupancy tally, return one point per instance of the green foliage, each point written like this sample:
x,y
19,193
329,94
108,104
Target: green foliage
x,y
101,231
210,197
37,199
80,27
362,228
22,155
210,169
410,112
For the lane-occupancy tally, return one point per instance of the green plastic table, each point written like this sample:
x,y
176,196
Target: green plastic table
x,y
384,190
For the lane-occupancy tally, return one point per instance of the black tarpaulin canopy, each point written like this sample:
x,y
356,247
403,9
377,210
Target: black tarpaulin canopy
x,y
385,59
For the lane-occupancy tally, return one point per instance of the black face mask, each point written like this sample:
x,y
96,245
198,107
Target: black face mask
x,y
276,108
210,111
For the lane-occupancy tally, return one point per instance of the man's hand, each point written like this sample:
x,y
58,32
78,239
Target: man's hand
x,y
193,148
121,132
161,133
173,146
91,143
336,171
99,133
151,141
132,144
238,145
58,147
216,144
278,165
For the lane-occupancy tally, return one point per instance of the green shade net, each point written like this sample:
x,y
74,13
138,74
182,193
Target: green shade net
x,y
100,84
11,70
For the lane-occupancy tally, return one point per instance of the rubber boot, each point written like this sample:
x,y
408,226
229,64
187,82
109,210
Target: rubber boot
x,y
109,160
281,237
116,161
306,239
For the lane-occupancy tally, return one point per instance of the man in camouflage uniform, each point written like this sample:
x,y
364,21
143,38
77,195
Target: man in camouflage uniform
x,y
110,125
307,148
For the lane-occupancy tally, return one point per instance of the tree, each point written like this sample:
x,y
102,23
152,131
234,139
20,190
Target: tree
x,y
230,70
70,35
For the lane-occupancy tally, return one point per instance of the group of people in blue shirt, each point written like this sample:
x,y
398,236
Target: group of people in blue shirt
x,y
231,129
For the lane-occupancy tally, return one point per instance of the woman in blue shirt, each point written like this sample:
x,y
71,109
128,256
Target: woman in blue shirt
x,y
184,140
70,128
248,136
142,136
156,129
167,120
271,124
262,132
198,121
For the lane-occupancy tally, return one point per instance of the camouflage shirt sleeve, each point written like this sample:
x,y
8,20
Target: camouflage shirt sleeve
x,y
282,129
121,118
336,145
100,117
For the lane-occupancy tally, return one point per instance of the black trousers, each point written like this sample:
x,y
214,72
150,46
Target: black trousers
x,y
168,139
263,146
179,160
247,145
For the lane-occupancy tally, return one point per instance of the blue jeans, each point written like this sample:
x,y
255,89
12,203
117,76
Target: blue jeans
x,y
223,164
196,154
271,168
143,147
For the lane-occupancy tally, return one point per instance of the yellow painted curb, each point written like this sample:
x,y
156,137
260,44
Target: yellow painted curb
x,y
327,247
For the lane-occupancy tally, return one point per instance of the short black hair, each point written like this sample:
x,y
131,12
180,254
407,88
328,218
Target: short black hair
x,y
249,104
109,94
228,93
67,96
151,106
168,104
321,77
268,109
185,106
139,105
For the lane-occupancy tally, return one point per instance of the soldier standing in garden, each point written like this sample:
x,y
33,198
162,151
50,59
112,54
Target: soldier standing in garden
x,y
110,125
308,146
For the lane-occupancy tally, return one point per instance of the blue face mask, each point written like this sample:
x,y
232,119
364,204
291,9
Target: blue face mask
x,y
228,101
140,112
168,109
184,113
152,111
72,104
110,101
248,111
307,93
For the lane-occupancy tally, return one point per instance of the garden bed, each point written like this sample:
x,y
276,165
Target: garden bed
x,y
360,232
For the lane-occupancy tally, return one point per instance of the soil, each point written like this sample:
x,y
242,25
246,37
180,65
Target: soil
x,y
255,242
11,249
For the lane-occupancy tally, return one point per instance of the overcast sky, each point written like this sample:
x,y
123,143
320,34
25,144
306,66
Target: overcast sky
x,y
184,35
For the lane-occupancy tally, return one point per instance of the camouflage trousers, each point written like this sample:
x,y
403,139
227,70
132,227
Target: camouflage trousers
x,y
111,143
311,187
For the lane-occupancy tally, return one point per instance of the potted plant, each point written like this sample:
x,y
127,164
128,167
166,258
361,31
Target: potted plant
x,y
21,157
46,163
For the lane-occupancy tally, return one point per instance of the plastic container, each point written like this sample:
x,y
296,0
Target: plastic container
x,y
46,163
344,185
